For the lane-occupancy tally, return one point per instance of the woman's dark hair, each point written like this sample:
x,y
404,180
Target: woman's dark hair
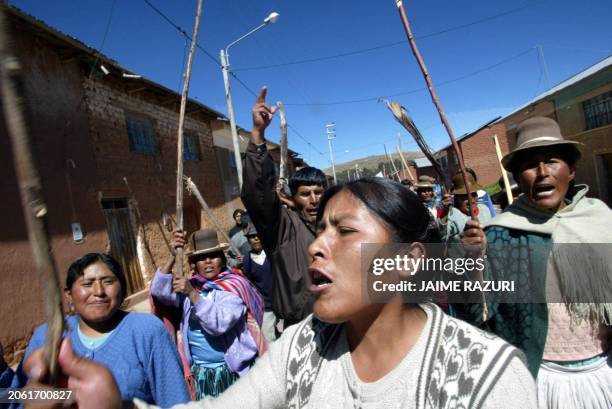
x,y
398,208
198,257
307,177
78,266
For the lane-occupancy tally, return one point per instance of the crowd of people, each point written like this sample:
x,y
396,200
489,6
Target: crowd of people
x,y
277,318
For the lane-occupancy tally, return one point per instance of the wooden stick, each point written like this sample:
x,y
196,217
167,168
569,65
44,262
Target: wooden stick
x,y
405,163
434,98
396,172
140,221
503,171
283,141
179,160
32,201
196,192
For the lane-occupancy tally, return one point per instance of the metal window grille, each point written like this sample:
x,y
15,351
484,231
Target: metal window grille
x,y
191,147
598,111
141,135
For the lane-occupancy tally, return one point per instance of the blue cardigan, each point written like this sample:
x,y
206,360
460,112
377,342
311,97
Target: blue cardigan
x,y
139,353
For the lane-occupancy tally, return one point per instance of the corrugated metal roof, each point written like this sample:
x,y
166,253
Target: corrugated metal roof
x,y
592,70
422,162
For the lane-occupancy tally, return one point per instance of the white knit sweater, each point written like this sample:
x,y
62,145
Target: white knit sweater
x,y
337,384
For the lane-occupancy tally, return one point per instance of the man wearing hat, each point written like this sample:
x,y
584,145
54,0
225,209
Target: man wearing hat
x,y
564,326
456,209
256,268
425,191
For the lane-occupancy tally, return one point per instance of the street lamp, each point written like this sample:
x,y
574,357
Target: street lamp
x,y
271,19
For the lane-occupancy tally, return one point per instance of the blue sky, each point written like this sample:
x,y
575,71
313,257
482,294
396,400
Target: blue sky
x,y
498,51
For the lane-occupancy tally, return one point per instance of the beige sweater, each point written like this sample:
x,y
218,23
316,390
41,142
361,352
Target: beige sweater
x,y
337,385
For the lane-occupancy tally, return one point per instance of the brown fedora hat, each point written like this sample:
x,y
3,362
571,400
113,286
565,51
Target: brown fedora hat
x,y
425,181
534,133
459,184
205,241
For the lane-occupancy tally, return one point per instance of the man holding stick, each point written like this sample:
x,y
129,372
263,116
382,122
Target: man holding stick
x,y
285,232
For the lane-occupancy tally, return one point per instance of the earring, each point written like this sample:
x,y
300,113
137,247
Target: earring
x,y
71,308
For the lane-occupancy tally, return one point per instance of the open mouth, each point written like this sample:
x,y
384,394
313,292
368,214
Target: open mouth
x,y
312,212
319,280
543,189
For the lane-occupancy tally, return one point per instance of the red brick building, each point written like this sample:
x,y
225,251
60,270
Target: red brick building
x,y
582,105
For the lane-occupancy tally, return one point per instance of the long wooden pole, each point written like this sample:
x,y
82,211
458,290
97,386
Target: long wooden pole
x,y
179,160
283,141
405,163
434,98
503,171
32,201
196,192
395,171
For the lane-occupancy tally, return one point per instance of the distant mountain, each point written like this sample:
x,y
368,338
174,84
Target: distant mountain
x,y
371,165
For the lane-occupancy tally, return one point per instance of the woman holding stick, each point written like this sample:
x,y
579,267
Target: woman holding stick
x,y
221,314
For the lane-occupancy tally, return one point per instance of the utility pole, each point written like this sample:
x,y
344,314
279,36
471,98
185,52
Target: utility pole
x,y
331,134
357,171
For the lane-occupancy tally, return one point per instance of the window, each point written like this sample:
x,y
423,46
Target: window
x,y
141,135
444,162
191,147
232,161
598,111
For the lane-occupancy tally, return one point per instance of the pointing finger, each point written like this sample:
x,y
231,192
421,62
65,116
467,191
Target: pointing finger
x,y
262,94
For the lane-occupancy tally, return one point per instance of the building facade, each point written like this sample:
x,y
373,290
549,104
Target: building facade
x,y
104,141
582,105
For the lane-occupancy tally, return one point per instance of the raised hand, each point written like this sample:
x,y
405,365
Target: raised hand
x,y
262,116
473,238
178,240
181,285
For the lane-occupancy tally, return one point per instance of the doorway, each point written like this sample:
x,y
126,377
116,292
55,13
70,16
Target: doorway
x,y
123,241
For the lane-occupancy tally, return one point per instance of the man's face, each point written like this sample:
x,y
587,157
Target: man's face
x,y
463,204
255,243
307,200
238,219
544,177
426,194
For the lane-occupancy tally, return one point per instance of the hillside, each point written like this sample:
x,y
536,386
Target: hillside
x,y
369,165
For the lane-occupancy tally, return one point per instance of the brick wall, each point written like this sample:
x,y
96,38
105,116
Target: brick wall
x,y
59,138
479,153
152,178
79,121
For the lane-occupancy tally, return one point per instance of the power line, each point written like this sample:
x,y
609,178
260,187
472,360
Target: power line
x,y
106,30
182,31
310,145
382,46
376,98
249,89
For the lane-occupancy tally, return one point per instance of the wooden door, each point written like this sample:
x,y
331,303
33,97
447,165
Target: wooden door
x,y
123,241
